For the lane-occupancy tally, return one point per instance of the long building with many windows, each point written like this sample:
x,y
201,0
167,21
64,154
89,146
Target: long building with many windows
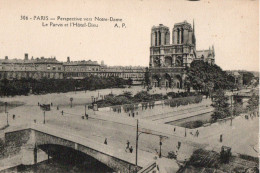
x,y
51,68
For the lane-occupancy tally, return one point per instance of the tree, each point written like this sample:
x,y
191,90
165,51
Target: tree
x,y
147,77
129,81
207,78
253,102
221,105
238,109
127,94
247,78
142,96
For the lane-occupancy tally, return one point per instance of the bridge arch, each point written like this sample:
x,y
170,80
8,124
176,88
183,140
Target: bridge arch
x,y
111,161
72,156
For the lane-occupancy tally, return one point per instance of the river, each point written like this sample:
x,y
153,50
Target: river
x,y
56,166
63,160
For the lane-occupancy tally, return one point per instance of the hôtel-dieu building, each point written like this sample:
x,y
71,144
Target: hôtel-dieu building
x,y
168,60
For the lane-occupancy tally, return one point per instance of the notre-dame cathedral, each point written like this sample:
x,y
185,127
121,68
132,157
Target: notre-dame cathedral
x,y
168,61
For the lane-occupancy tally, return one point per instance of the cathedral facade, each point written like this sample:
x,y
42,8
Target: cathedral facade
x,y
168,61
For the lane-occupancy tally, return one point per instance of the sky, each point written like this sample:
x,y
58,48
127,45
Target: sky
x,y
232,26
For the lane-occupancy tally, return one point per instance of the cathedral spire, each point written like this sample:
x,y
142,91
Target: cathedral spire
x,y
213,50
193,35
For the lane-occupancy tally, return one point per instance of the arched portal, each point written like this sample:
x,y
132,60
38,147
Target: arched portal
x,y
177,81
156,81
168,81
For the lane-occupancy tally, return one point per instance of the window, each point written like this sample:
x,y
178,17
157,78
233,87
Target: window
x,y
182,36
159,33
155,38
53,68
48,67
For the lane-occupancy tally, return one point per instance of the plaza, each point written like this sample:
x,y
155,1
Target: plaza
x,y
118,128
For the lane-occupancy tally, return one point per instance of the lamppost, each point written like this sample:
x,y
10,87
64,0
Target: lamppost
x,y
85,108
231,108
138,133
92,98
5,107
43,117
71,99
7,119
160,143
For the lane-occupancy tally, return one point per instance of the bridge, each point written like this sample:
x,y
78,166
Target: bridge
x,y
37,136
87,136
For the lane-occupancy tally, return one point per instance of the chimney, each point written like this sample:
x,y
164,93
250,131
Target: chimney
x,y
68,59
26,56
6,57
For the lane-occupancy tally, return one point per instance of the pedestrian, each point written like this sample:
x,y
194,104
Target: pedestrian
x,y
51,104
86,115
82,117
34,120
179,145
131,149
105,142
127,146
174,129
62,112
38,104
129,114
221,138
197,133
57,107
13,116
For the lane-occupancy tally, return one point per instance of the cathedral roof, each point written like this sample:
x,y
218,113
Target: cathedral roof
x,y
204,54
160,26
182,23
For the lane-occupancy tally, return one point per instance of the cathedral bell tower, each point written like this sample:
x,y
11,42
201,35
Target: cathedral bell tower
x,y
182,33
160,35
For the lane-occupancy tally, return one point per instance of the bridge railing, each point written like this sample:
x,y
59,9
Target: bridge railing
x,y
148,168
